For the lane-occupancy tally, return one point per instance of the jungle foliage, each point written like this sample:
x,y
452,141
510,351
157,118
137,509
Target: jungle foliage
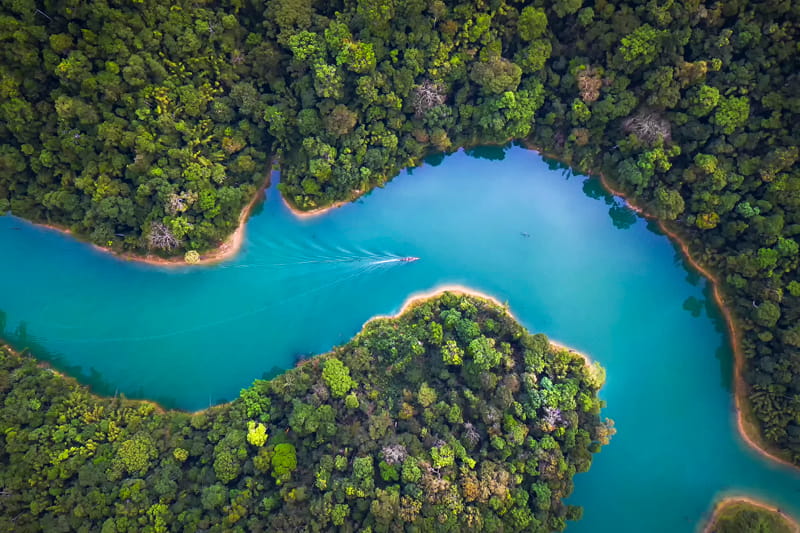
x,y
146,127
124,123
450,417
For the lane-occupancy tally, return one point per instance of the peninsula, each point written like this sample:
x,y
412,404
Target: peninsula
x,y
448,413
738,515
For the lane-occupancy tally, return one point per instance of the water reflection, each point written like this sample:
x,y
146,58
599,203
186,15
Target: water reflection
x,y
694,306
26,342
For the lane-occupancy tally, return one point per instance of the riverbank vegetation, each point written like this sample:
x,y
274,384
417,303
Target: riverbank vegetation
x,y
450,417
146,127
743,516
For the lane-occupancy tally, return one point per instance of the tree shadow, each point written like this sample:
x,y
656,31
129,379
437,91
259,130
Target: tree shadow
x,y
24,342
707,306
488,152
694,305
593,188
434,159
622,217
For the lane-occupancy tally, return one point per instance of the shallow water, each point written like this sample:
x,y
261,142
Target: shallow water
x,y
571,261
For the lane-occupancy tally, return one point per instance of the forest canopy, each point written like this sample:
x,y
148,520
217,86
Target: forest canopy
x,y
450,417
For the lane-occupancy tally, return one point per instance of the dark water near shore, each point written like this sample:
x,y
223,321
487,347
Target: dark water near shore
x,y
571,261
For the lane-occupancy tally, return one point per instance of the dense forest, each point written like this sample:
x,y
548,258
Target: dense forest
x,y
146,126
450,417
125,124
742,517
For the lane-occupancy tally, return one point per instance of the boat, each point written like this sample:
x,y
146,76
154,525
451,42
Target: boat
x,y
408,259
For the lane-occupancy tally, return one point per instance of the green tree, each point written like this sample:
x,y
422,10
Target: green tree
x,y
767,314
702,100
340,121
136,454
351,401
340,513
640,47
497,75
732,113
566,7
669,203
337,377
426,395
226,466
256,433
483,353
284,462
532,23
452,354
255,401
534,57
358,57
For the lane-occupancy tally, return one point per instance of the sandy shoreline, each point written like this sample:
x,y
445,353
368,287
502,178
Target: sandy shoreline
x,y
313,213
229,248
409,303
725,502
358,193
750,434
461,290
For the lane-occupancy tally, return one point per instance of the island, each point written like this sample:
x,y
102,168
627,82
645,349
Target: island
x,y
449,416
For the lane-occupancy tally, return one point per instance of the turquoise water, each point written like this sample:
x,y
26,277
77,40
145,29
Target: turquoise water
x,y
589,274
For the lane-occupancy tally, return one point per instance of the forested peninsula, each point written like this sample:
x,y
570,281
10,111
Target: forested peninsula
x,y
146,127
448,417
741,515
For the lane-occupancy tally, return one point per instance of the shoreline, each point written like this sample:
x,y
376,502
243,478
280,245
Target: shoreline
x,y
314,213
750,435
411,301
732,500
5,345
226,250
358,193
461,290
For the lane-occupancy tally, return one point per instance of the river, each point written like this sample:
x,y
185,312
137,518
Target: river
x,y
570,260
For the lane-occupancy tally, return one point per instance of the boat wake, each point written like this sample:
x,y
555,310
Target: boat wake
x,y
339,271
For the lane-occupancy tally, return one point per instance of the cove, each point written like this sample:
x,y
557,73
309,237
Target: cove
x,y
570,260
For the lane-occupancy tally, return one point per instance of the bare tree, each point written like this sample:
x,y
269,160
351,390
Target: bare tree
x,y
471,434
320,390
589,84
394,454
426,96
648,126
552,416
161,237
178,203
